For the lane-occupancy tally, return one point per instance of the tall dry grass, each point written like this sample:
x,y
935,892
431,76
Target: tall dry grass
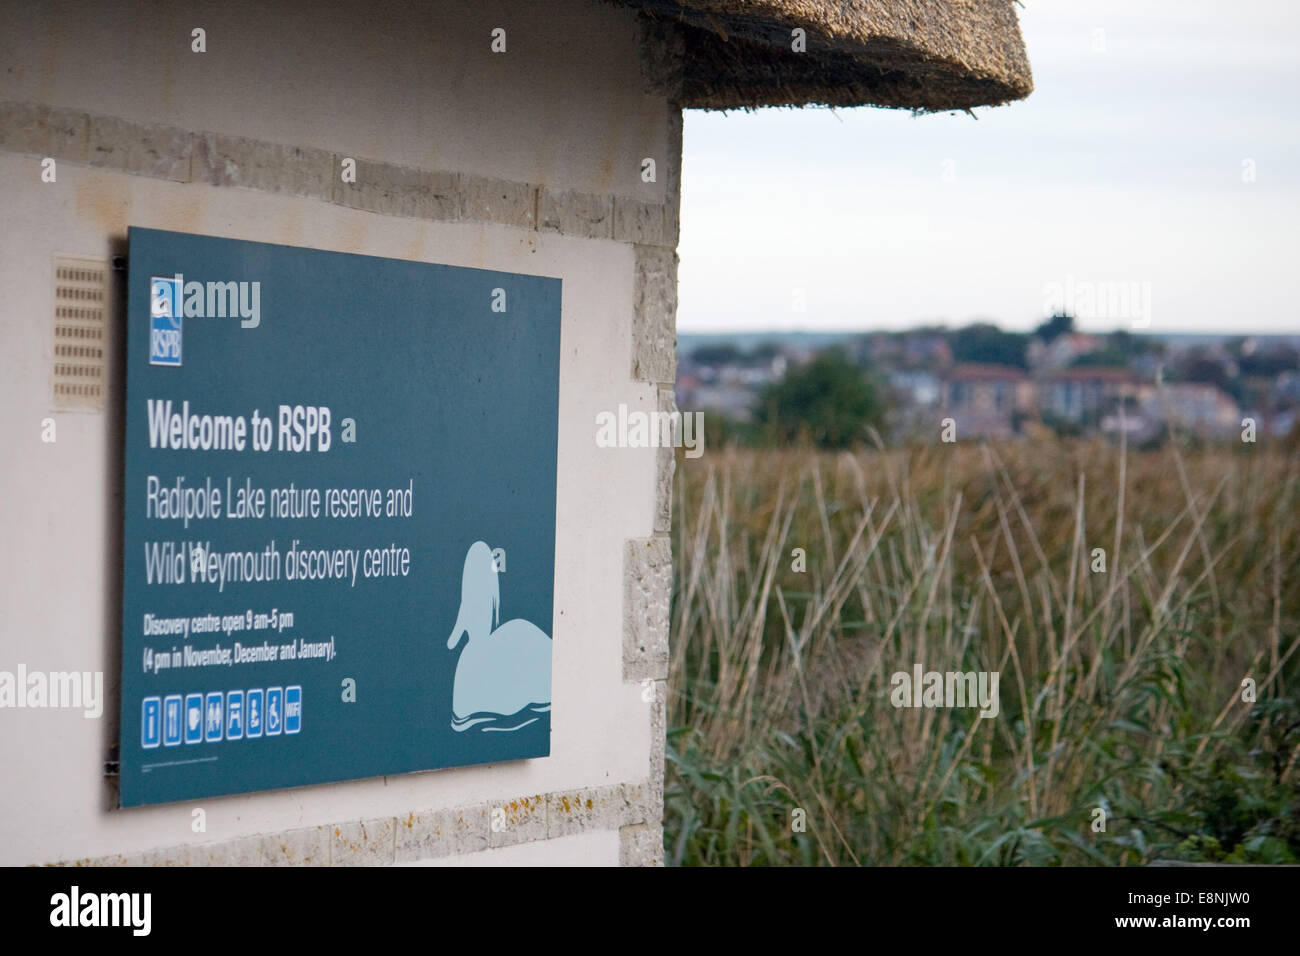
x,y
1120,690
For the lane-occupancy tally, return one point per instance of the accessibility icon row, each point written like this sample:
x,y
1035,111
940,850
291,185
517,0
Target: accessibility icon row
x,y
216,716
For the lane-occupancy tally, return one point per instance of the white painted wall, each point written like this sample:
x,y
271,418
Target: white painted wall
x,y
557,110
415,83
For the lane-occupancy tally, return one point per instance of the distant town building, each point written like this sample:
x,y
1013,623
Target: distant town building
x,y
916,388
1196,406
992,400
985,400
930,351
1073,394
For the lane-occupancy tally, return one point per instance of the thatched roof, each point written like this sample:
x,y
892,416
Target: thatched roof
x,y
916,54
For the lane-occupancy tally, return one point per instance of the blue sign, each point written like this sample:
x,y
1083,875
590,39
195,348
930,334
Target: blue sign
x,y
234,715
343,499
274,711
292,710
151,723
214,716
254,722
194,719
172,720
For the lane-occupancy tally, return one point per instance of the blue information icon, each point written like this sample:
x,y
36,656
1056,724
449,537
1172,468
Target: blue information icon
x,y
165,312
194,718
213,713
234,715
292,710
151,723
274,710
172,720
254,721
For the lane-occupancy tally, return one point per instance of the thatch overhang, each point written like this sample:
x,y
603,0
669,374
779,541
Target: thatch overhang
x,y
926,55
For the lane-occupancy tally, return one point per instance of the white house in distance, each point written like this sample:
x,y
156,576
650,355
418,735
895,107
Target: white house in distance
x,y
542,139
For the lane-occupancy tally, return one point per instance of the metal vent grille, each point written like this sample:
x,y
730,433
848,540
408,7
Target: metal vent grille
x,y
80,301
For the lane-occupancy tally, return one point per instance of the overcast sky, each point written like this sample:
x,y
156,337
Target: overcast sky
x,y
1124,166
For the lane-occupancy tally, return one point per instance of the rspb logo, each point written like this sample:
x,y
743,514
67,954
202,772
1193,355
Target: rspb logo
x,y
165,321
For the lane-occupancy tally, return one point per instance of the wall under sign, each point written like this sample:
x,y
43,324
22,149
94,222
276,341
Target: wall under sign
x,y
526,163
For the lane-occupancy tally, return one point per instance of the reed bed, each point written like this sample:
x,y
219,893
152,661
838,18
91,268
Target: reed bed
x,y
1121,690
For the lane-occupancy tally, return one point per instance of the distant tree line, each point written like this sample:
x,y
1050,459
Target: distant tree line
x,y
837,401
